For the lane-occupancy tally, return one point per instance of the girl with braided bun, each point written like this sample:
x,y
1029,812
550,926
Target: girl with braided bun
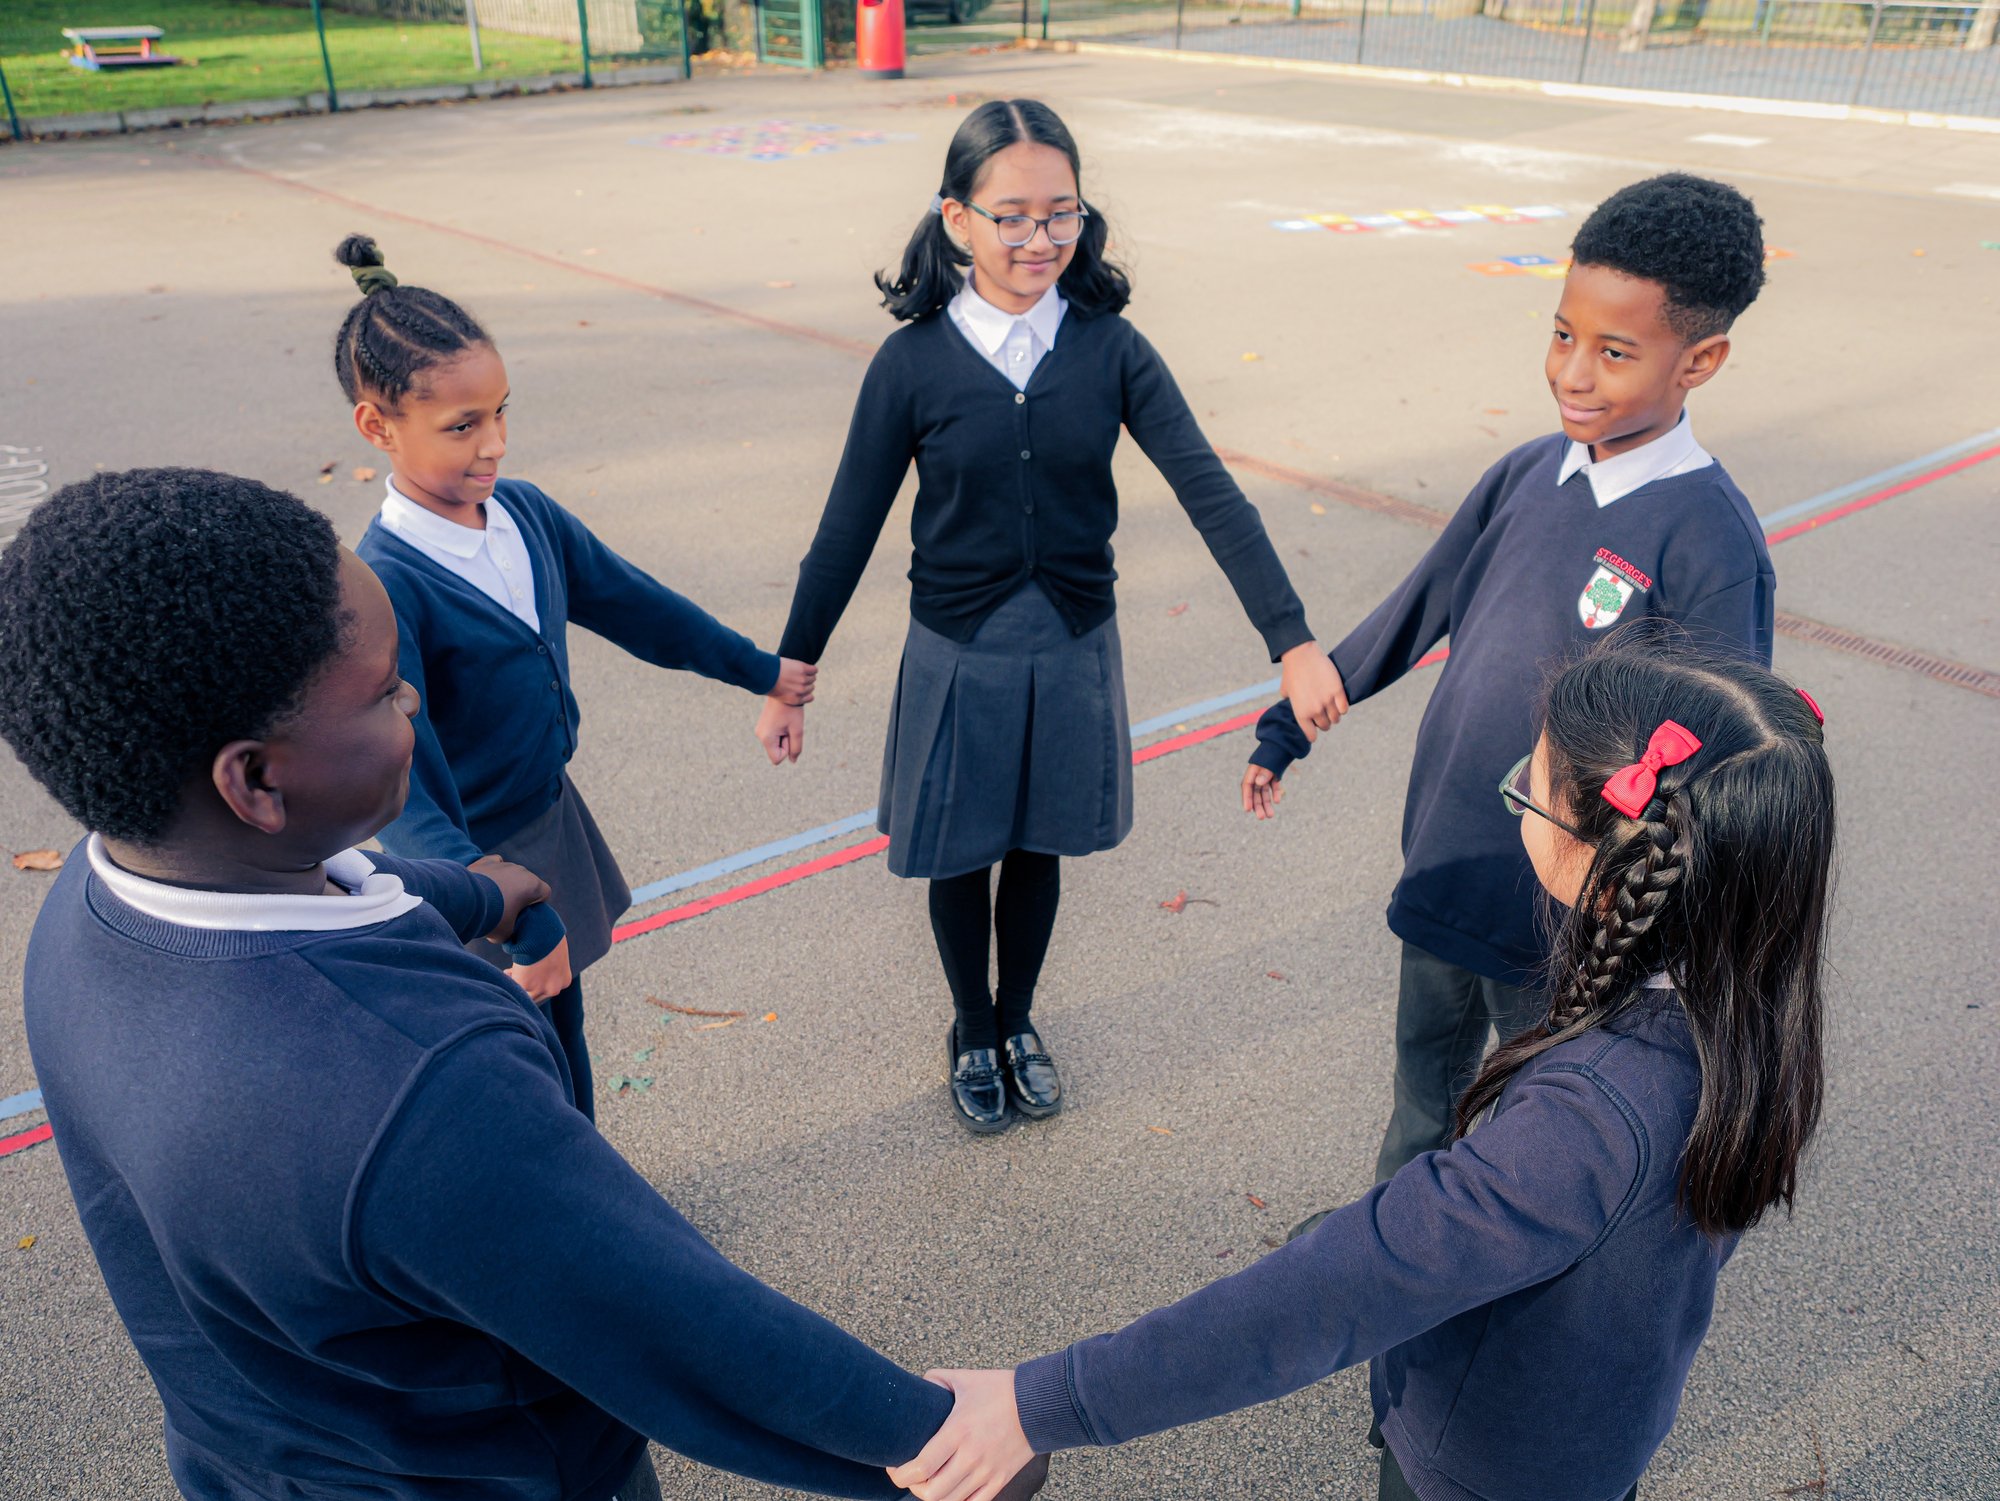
x,y
1560,1256
486,575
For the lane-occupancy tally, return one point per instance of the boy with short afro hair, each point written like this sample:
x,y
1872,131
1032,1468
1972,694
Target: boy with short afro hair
x,y
330,1163
1619,516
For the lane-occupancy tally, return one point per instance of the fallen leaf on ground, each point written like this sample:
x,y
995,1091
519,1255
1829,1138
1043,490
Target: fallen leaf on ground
x,y
780,286
1496,411
679,1010
711,1026
329,466
770,1016
1318,509
1160,1130
1272,1241
1225,1253
1916,252
363,474
1177,609
1248,358
1486,430
583,323
621,1084
642,1055
39,860
1274,974
24,1242
590,252
1177,903
1255,1200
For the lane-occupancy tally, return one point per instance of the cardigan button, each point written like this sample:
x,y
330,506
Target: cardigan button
x,y
554,686
1020,398
1025,454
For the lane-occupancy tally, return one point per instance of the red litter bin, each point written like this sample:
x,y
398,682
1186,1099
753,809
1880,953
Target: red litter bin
x,y
878,38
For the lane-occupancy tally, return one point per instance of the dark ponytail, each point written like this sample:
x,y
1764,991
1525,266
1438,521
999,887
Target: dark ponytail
x,y
394,333
1722,883
933,262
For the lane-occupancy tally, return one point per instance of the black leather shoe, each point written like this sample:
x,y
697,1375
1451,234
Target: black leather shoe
x,y
1031,1076
1027,1480
978,1089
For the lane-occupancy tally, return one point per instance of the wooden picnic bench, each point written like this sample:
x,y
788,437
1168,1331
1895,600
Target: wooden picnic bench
x,y
100,47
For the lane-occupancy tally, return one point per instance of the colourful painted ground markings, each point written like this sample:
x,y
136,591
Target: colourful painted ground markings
x,y
1419,218
1555,270
770,140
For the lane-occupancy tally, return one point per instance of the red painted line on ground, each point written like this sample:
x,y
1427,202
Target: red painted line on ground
x,y
1890,493
758,887
33,1137
793,874
611,278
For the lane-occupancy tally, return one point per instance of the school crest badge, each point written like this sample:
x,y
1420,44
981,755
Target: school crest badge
x,y
1613,582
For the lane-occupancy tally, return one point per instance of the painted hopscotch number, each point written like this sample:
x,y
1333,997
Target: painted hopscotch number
x,y
24,484
1418,218
769,140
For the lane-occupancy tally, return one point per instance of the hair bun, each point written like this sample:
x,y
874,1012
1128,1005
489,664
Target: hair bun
x,y
363,258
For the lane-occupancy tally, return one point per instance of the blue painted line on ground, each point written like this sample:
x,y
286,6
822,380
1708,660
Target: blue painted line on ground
x,y
1876,481
20,1104
744,859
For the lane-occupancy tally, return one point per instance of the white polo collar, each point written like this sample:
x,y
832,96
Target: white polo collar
x,y
1673,452
372,897
404,516
990,325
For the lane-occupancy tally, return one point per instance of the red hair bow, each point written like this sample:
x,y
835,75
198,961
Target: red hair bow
x,y
1632,787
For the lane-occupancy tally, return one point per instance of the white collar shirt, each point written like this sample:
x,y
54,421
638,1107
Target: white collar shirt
x,y
493,558
371,897
1013,344
1671,453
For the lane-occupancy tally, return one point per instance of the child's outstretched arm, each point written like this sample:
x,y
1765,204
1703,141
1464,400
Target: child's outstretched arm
x,y
1519,1200
1391,641
1157,416
489,1201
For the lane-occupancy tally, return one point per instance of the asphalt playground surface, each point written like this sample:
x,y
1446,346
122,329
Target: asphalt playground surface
x,y
685,331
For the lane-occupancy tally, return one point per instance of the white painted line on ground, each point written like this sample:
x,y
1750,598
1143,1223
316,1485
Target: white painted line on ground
x,y
1970,190
1717,138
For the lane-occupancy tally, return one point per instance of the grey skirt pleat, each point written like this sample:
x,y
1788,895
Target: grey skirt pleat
x,y
1017,739
565,848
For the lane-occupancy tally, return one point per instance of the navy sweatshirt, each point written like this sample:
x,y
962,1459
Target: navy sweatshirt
x,y
1015,486
499,721
1527,573
367,1246
1531,1299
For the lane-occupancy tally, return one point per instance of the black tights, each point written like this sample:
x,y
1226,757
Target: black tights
x,y
964,912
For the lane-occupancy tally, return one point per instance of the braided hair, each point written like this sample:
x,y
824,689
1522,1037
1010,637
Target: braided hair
x,y
394,333
1721,884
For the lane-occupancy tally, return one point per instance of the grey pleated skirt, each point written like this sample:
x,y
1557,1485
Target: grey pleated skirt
x,y
1017,739
565,848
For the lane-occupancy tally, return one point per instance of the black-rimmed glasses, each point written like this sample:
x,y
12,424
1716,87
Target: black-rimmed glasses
x,y
1516,794
1017,230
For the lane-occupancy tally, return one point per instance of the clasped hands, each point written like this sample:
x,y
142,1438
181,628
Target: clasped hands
x,y
1318,699
781,727
980,1449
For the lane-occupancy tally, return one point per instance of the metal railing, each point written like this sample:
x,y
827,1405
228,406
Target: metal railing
x,y
258,59
1936,56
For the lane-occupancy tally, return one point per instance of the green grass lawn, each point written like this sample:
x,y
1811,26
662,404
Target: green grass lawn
x,y
239,50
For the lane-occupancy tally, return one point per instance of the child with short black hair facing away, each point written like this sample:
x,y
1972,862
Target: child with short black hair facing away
x,y
330,1163
1530,1299
1620,516
1008,743
487,575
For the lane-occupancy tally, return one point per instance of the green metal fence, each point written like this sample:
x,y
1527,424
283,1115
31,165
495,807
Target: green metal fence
x,y
229,59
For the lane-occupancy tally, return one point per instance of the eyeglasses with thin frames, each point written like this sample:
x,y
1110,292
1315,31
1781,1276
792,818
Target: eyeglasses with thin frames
x,y
1018,230
1516,792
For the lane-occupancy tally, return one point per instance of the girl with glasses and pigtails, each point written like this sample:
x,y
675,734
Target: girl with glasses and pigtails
x,y
1008,741
1561,1255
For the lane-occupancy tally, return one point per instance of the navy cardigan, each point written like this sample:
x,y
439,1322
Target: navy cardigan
x,y
499,722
